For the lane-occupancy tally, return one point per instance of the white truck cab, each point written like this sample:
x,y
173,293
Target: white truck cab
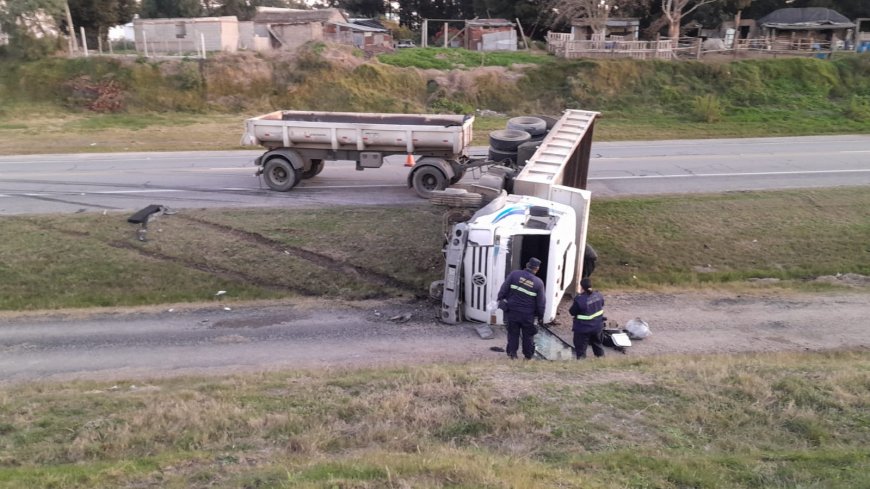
x,y
500,238
546,217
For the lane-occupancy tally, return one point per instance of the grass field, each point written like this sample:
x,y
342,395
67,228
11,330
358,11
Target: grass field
x,y
686,241
773,421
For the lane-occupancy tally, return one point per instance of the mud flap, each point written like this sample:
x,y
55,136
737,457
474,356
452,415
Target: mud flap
x,y
549,346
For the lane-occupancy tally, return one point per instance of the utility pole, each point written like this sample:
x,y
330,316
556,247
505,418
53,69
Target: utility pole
x,y
72,31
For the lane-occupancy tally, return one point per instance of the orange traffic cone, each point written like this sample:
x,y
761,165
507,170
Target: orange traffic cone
x,y
409,161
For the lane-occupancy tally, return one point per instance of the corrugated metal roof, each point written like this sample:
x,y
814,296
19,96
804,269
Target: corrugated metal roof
x,y
796,18
271,15
375,23
358,27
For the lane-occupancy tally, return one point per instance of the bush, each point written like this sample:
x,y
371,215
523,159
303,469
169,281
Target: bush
x,y
707,108
858,109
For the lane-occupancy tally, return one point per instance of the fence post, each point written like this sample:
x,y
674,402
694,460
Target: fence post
x,y
698,48
84,41
145,41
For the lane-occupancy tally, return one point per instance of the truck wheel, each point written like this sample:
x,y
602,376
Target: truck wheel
x,y
506,158
428,179
532,125
316,168
507,139
526,151
280,174
457,177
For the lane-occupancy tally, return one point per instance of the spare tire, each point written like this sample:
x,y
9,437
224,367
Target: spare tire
x,y
532,125
507,139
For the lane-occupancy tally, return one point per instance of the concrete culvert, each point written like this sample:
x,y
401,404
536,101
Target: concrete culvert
x,y
535,126
508,139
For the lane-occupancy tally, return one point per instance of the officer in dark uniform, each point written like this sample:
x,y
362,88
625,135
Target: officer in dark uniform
x,y
522,298
588,313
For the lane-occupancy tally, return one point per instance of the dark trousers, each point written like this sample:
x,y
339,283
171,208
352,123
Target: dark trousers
x,y
528,330
582,340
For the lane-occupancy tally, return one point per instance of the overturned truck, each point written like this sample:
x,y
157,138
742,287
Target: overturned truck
x,y
545,216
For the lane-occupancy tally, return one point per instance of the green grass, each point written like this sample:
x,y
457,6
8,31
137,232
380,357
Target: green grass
x,y
771,420
89,260
131,122
728,238
453,59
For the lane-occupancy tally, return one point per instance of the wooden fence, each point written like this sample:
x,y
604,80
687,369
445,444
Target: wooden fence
x,y
561,44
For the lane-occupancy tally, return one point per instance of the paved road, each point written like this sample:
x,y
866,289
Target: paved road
x,y
96,182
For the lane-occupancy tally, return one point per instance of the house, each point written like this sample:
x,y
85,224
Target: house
x,y
186,35
490,35
288,29
807,27
366,34
625,27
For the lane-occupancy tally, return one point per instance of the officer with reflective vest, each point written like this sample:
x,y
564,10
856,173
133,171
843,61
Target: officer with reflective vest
x,y
522,298
588,313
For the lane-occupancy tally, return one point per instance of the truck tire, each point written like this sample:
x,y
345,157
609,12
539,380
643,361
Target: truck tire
x,y
454,197
550,121
506,158
280,174
427,179
535,126
526,151
316,168
507,139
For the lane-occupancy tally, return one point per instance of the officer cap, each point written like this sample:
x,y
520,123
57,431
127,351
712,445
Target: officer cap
x,y
585,283
533,263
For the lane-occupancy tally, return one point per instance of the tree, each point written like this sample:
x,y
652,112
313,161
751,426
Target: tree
x,y
245,9
364,8
596,12
675,10
30,25
153,9
97,16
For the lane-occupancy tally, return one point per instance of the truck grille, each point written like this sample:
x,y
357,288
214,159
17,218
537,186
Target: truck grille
x,y
478,289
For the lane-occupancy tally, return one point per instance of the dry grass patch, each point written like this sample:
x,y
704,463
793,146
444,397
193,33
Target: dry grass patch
x,y
716,421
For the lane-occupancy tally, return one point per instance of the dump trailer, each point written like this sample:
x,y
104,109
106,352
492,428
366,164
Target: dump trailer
x,y
545,216
299,142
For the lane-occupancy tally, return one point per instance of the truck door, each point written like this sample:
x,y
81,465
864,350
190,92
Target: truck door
x,y
579,200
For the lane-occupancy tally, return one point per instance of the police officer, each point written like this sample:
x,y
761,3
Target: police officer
x,y
522,298
588,313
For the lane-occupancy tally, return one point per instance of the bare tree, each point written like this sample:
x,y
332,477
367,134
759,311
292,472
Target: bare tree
x,y
675,10
596,12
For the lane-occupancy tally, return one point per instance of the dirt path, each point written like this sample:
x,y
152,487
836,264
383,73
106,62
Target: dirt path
x,y
135,344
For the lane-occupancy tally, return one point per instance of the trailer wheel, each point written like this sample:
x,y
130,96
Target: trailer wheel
x,y
507,139
532,125
506,158
428,179
280,174
316,168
